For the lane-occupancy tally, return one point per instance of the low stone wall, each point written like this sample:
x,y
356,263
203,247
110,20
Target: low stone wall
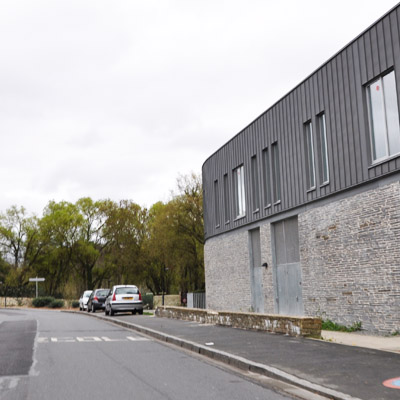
x,y
16,302
169,300
289,325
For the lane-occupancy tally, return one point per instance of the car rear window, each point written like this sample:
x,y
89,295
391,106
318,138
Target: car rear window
x,y
127,290
102,292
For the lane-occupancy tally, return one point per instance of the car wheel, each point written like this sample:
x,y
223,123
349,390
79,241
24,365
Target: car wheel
x,y
111,311
140,312
80,308
93,309
87,308
133,312
106,311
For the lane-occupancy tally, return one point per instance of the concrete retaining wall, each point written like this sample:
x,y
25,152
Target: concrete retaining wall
x,y
289,325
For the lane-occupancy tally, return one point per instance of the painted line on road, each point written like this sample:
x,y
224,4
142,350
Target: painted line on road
x,y
88,339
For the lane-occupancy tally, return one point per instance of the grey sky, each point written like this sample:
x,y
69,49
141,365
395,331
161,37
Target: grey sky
x,y
115,99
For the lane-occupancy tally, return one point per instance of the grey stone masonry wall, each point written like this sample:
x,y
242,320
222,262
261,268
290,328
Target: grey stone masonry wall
x,y
227,273
350,259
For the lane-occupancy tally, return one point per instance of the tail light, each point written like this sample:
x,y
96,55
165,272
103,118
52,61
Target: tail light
x,y
140,296
96,298
114,298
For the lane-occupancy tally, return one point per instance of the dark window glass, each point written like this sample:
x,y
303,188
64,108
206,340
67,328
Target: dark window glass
x,y
255,183
226,198
267,179
216,203
310,167
276,176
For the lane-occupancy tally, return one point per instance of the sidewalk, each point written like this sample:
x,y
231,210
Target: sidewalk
x,y
371,342
326,367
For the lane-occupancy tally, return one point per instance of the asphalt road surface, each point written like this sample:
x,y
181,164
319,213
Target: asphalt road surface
x,y
54,355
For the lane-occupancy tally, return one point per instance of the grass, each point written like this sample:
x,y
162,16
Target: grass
x,y
329,325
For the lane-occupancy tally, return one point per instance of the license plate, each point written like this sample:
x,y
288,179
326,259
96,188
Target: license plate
x,y
128,298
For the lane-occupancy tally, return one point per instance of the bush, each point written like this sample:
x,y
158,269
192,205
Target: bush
x,y
75,303
57,303
42,301
148,299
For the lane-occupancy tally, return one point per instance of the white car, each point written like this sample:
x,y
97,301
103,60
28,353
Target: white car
x,y
84,299
124,298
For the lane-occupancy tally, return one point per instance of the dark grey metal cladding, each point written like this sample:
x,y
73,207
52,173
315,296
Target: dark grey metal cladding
x,y
336,89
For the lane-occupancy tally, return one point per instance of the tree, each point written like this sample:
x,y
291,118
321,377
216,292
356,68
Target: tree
x,y
125,229
60,229
20,241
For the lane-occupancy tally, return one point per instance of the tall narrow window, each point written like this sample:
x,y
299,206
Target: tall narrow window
x,y
240,201
383,113
310,167
323,148
226,199
267,179
276,176
255,184
216,203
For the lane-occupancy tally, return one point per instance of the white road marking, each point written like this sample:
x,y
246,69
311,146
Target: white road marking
x,y
63,339
137,339
88,339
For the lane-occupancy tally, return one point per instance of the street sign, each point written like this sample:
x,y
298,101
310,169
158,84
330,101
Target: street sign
x,y
36,280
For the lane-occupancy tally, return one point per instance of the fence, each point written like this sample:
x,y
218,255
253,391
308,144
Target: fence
x,y
196,300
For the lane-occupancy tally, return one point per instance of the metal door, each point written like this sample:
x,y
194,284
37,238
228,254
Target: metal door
x,y
289,300
257,296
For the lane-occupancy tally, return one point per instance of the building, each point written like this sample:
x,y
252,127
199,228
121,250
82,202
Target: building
x,y
311,188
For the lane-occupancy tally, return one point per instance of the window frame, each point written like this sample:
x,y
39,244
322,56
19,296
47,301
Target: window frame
x,y
255,183
323,148
216,204
240,192
309,155
266,164
276,174
375,137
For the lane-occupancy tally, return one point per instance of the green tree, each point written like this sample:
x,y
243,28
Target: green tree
x,y
20,242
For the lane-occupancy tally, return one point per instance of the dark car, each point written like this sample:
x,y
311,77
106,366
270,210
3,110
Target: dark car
x,y
97,300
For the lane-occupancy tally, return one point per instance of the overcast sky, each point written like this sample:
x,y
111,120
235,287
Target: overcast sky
x,y
115,99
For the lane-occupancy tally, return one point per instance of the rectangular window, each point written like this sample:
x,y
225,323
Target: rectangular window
x,y
310,164
216,203
226,199
323,148
267,179
383,112
240,201
255,184
276,175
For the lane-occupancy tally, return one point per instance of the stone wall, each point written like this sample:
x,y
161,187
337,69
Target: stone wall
x,y
350,259
16,302
349,255
227,272
289,325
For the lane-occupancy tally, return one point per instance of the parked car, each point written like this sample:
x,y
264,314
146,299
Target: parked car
x,y
84,299
97,300
124,298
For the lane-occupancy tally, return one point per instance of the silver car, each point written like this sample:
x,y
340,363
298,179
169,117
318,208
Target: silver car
x,y
84,299
124,298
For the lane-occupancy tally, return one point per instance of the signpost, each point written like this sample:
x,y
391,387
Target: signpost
x,y
36,280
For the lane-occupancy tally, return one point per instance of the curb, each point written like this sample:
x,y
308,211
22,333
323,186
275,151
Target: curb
x,y
230,359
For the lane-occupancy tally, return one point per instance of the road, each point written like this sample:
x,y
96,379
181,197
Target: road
x,y
54,355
